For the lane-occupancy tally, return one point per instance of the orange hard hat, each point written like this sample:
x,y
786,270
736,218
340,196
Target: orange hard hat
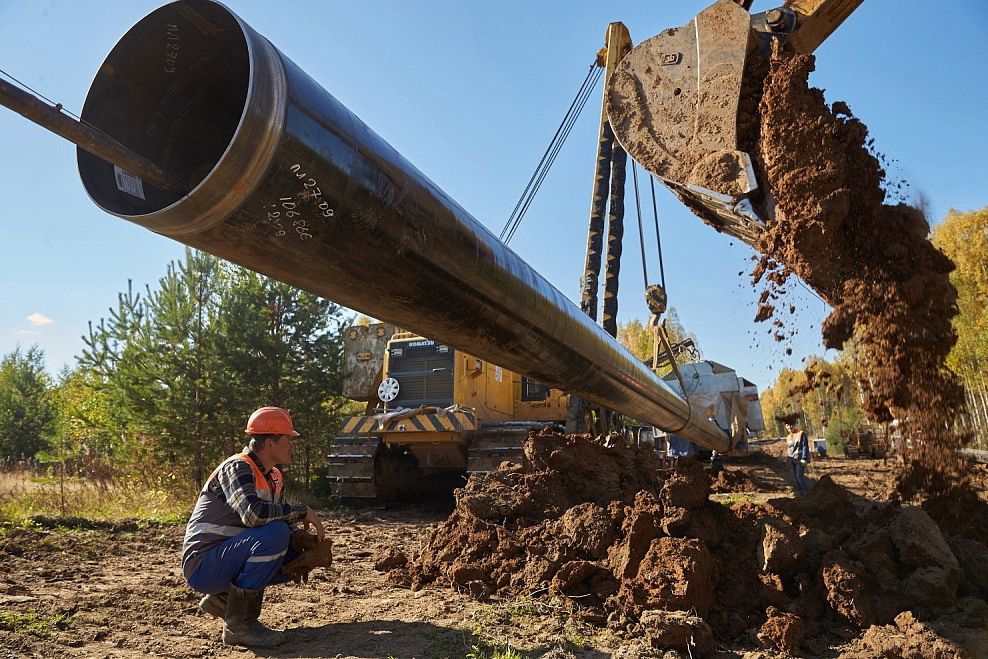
x,y
270,421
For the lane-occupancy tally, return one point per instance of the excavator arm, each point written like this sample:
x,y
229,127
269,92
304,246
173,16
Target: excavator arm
x,y
815,20
675,103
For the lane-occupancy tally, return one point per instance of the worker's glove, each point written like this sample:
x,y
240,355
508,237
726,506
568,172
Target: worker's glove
x,y
318,555
804,462
302,540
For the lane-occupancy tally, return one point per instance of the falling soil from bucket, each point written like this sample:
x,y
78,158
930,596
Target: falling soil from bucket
x,y
870,260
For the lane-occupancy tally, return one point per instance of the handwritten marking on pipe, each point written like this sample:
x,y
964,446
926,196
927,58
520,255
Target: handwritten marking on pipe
x,y
300,225
274,219
311,191
171,49
292,208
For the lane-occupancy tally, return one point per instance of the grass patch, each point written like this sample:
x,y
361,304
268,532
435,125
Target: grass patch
x,y
526,627
530,627
485,651
729,499
32,622
521,611
24,496
472,645
447,644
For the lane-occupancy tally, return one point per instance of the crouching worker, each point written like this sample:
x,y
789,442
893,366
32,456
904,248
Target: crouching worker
x,y
242,532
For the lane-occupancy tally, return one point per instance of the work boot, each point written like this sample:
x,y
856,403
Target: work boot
x,y
240,624
214,605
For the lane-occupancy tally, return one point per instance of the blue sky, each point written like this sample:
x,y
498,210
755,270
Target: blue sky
x,y
471,93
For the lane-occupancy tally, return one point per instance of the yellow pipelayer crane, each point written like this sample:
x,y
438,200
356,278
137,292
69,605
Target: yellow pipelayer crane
x,y
433,415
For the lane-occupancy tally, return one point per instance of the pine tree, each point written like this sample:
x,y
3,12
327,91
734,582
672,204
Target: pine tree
x,y
285,346
28,409
181,366
155,360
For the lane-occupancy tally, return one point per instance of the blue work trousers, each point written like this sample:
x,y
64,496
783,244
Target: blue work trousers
x,y
799,476
250,560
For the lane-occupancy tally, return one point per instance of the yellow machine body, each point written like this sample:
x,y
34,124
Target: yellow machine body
x,y
433,413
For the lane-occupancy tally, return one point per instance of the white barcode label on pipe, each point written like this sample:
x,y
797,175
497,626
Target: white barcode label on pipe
x,y
128,183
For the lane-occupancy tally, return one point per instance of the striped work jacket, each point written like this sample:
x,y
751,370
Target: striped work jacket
x,y
236,496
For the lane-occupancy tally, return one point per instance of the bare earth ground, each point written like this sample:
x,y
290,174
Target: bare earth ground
x,y
117,591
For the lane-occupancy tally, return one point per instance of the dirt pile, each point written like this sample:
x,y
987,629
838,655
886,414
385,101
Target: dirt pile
x,y
735,480
871,261
600,531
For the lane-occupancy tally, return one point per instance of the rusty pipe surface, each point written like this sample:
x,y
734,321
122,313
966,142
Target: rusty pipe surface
x,y
288,182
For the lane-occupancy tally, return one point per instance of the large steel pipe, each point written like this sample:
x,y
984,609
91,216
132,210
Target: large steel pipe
x,y
284,180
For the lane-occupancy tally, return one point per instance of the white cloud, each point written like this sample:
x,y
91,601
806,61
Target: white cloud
x,y
25,332
37,320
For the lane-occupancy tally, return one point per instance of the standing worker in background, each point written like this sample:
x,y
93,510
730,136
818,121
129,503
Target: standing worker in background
x,y
242,532
798,450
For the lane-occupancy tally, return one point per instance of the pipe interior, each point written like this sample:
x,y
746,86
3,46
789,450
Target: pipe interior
x,y
173,90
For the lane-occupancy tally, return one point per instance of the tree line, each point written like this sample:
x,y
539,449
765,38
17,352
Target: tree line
x,y
963,236
165,382
639,338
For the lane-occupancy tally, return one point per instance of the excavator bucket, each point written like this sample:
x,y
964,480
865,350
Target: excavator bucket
x,y
673,103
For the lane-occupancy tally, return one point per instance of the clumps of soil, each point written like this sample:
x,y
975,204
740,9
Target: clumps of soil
x,y
598,529
871,261
736,480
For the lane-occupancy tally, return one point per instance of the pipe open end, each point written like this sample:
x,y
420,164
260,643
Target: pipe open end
x,y
189,88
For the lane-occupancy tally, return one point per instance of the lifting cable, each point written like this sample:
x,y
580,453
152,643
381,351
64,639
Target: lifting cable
x,y
57,106
549,157
641,231
660,335
658,240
